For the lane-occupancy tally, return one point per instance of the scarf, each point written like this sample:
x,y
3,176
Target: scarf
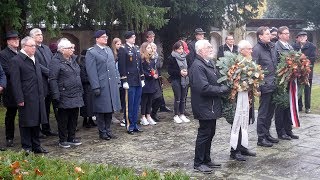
x,y
182,63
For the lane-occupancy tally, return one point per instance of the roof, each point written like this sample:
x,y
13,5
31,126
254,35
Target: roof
x,y
274,22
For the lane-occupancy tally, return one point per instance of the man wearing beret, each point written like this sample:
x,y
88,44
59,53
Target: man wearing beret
x,y
12,38
132,79
101,70
309,49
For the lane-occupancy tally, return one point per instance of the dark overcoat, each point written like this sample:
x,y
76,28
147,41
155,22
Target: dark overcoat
x,y
5,56
101,70
150,81
310,50
65,82
205,90
27,87
224,48
44,54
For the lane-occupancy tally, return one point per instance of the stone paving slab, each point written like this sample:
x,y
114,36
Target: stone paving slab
x,y
170,147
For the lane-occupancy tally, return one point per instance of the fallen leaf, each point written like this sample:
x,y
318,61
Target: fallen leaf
x,y
38,172
15,165
18,177
78,170
144,174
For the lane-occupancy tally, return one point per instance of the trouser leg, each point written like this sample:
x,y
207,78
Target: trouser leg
x,y
10,122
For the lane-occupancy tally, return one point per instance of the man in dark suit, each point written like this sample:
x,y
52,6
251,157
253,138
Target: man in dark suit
x,y
101,70
199,35
309,49
206,104
132,78
44,55
228,46
9,102
27,88
282,115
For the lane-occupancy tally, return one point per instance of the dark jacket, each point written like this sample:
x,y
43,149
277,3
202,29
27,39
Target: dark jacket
x,y
192,54
174,69
8,98
87,109
266,56
101,70
44,54
205,91
129,64
65,82
150,81
310,50
224,48
26,79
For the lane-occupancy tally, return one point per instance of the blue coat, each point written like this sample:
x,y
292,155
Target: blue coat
x,y
101,70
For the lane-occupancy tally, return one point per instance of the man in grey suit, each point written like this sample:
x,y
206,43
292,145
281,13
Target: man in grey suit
x,y
101,70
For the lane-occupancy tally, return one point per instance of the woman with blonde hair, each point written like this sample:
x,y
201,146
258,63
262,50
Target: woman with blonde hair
x,y
151,74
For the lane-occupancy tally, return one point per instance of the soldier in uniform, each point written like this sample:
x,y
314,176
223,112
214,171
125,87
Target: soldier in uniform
x,y
101,70
132,79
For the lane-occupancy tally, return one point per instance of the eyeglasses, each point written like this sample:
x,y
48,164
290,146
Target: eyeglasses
x,y
104,37
285,33
33,45
209,47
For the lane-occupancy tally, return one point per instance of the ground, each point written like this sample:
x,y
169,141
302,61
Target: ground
x,y
170,147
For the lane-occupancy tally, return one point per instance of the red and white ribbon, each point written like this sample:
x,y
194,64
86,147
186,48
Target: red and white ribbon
x,y
293,97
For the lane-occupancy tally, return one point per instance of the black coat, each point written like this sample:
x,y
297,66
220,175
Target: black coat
x,y
87,109
5,56
44,54
266,56
224,48
65,82
150,81
174,69
205,90
27,87
310,50
192,52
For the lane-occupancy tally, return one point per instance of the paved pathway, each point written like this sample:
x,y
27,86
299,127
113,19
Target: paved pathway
x,y
170,147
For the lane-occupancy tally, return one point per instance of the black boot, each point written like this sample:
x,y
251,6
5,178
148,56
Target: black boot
x,y
236,155
86,123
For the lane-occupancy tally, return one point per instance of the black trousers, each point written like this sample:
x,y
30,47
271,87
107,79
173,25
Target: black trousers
x,y
46,127
283,121
265,115
146,103
104,122
9,121
156,104
67,123
206,131
307,97
30,137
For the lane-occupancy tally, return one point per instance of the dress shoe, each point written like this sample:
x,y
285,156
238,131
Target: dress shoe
x,y
284,137
138,130
264,143
27,152
50,133
293,136
104,137
308,111
213,165
165,109
272,139
237,156
2,149
112,136
203,168
40,150
9,142
130,132
248,152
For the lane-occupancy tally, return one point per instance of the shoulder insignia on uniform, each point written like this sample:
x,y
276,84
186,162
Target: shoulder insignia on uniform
x,y
122,45
136,46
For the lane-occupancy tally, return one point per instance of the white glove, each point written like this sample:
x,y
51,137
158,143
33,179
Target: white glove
x,y
142,83
125,85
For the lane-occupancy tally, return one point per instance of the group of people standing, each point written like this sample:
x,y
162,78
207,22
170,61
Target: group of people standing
x,y
103,80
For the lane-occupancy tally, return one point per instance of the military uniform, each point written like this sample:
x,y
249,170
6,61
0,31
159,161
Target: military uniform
x,y
130,69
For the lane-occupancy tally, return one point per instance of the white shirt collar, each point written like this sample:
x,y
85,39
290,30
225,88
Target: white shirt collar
x,y
32,57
